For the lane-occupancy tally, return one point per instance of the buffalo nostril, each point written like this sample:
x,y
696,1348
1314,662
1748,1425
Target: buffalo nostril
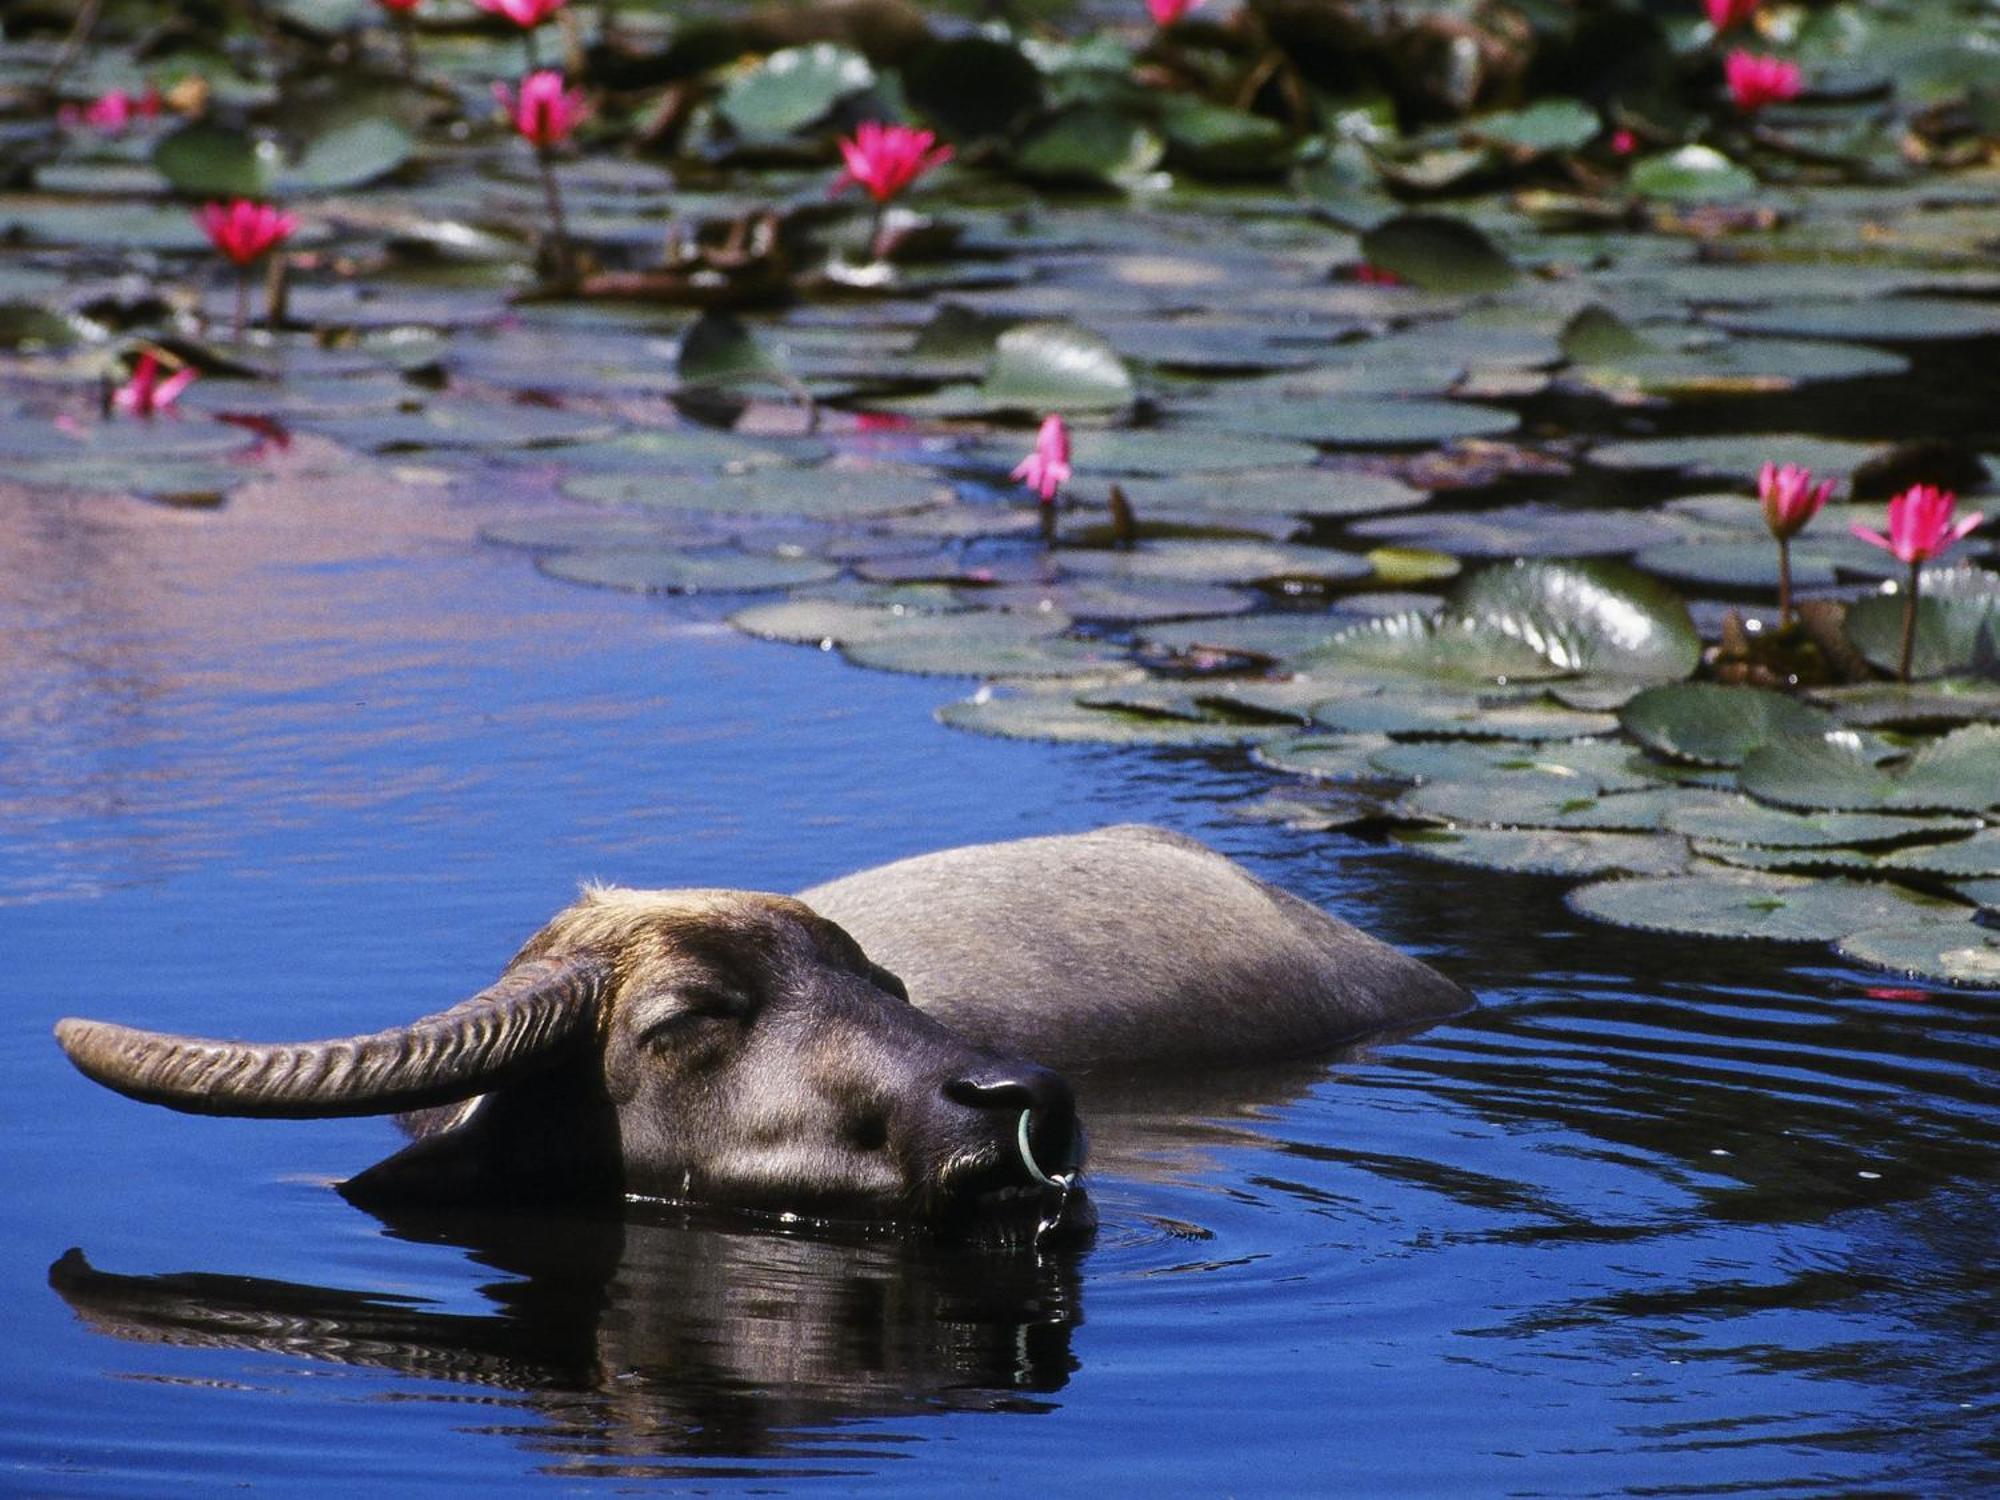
x,y
1049,1135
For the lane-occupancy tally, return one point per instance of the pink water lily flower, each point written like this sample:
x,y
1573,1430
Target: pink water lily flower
x,y
523,13
1757,81
1790,498
1921,525
885,159
1920,528
1046,470
145,393
112,112
544,112
1166,12
244,229
1724,14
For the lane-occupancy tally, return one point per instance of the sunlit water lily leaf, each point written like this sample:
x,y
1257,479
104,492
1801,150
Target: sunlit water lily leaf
x,y
1400,714
1693,174
792,89
458,423
1735,367
124,226
1818,561
1940,702
1976,856
1818,860
108,443
1947,955
1219,562
1953,774
1357,423
1740,820
1217,141
1425,650
1058,716
1438,253
1288,636
826,492
1734,458
1111,599
1323,757
672,570
1580,765
1713,725
1089,145
1300,492
1310,809
1778,908
1587,615
1524,531
1530,801
1958,625
831,622
1984,894
978,644
1544,126
1548,851
1055,367
678,454
1875,319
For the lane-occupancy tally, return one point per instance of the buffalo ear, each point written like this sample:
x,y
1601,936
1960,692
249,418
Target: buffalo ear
x,y
519,1026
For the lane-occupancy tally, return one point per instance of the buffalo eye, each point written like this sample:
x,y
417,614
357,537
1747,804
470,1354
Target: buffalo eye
x,y
691,1006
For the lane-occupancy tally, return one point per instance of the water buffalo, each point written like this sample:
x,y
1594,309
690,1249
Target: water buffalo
x,y
743,1049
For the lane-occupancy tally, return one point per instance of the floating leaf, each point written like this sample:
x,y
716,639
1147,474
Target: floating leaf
x,y
1089,145
1882,319
1958,625
1954,774
1053,716
823,493
1322,757
1693,174
1585,765
822,622
1045,367
1549,851
1944,701
793,89
1590,616
1547,802
1222,142
1713,725
1949,955
1544,126
1220,562
977,644
207,160
1732,459
1739,820
1401,714
1978,855
1438,254
1777,908
672,570
1429,650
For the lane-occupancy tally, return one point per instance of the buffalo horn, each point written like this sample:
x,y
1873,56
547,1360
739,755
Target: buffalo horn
x,y
503,1032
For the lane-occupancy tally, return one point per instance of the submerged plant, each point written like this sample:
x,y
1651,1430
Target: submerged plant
x,y
1920,528
145,394
885,160
544,112
1791,499
244,230
1046,470
1756,81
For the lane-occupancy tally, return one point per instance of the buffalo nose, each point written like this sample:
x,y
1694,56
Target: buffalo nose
x,y
1052,1136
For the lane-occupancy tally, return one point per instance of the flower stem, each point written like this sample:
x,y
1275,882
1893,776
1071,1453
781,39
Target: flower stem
x,y
406,41
1049,521
242,302
559,243
1910,621
1784,581
878,231
528,46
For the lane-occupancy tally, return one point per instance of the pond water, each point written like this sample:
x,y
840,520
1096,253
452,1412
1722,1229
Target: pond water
x,y
1661,1217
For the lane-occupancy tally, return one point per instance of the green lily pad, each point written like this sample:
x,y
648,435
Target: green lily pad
x,y
822,493
1590,615
1582,765
1941,702
1544,126
670,570
793,89
1884,319
1217,141
1777,908
1713,725
1219,562
1958,625
29,327
1400,714
977,644
1297,492
1529,530
1322,757
1438,253
1732,459
1086,599
1416,650
1530,802
1059,717
1310,809
1693,174
1090,146
1834,772
1549,851
451,422
1985,894
1739,820
208,160
1975,856
1055,367
1361,423
1817,562
825,622
1947,955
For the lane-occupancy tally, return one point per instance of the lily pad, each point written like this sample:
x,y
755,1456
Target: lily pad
x,y
1583,765
1299,492
1943,701
1416,650
1890,320
1549,851
1531,802
1401,714
1975,857
1740,820
792,89
820,493
1321,756
1947,955
1834,772
824,622
1693,174
1732,459
1777,908
1089,145
1957,630
1713,725
1059,717
671,570
1438,254
1544,126
977,644
1055,367
1220,562
1590,615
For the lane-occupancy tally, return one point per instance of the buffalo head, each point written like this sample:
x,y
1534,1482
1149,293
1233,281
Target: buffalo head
x,y
706,1046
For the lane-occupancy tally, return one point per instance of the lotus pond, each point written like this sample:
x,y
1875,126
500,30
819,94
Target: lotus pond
x,y
624,505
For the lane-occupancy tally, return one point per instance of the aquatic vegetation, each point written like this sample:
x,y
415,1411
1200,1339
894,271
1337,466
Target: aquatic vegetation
x,y
1921,527
544,112
1046,469
146,393
1756,81
1790,499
